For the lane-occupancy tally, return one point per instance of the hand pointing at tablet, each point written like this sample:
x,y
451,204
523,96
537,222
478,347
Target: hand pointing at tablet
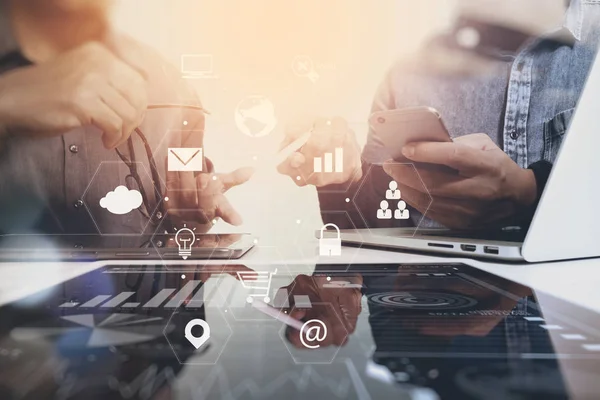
x,y
484,187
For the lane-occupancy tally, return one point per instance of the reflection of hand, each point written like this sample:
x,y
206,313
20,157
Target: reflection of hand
x,y
86,86
337,307
326,137
199,200
482,188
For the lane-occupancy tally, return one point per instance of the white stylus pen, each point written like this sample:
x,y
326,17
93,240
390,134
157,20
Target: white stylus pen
x,y
283,154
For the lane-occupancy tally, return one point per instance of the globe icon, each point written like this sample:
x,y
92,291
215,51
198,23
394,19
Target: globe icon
x,y
255,116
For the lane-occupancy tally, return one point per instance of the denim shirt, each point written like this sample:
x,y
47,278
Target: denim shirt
x,y
525,106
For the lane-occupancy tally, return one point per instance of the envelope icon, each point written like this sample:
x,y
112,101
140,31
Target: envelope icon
x,y
184,159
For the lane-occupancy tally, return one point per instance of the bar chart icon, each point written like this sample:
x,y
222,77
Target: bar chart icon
x,y
330,163
108,301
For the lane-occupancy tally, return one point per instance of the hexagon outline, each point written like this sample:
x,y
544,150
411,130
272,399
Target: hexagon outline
x,y
231,309
155,232
337,350
345,186
151,214
418,225
323,260
198,363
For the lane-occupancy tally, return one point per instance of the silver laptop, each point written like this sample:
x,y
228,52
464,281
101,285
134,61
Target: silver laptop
x,y
566,224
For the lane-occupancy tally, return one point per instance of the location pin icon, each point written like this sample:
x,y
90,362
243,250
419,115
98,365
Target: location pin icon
x,y
197,341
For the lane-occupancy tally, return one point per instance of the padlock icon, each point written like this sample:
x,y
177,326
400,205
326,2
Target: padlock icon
x,y
330,246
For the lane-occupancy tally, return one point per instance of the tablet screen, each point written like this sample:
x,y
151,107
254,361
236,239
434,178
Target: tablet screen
x,y
428,331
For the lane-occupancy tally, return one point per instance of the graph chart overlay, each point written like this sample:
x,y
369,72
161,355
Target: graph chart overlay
x,y
192,295
330,162
172,297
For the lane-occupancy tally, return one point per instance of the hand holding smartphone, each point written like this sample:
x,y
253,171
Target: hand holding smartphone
x,y
398,127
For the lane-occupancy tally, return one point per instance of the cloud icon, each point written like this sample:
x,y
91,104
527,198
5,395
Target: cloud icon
x,y
121,200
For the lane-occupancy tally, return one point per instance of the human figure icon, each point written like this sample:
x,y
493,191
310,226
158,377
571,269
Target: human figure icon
x,y
402,212
384,212
393,193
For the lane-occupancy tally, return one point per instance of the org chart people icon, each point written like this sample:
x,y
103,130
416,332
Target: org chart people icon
x,y
402,212
384,212
393,193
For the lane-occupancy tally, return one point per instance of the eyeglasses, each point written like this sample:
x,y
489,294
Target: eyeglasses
x,y
150,205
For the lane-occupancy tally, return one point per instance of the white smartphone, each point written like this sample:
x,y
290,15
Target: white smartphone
x,y
398,127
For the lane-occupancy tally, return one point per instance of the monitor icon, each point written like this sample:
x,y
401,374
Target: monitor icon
x,y
197,66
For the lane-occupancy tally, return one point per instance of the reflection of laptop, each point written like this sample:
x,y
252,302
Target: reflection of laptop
x,y
197,66
566,224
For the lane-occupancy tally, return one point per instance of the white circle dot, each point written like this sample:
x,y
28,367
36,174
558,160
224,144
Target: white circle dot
x,y
328,278
214,177
347,200
185,122
298,221
468,37
214,221
298,178
182,276
255,241
166,199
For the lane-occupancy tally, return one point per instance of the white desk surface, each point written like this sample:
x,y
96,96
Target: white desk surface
x,y
575,281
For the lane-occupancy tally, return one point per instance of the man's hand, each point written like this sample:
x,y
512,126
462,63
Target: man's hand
x,y
85,86
326,137
479,186
201,199
336,305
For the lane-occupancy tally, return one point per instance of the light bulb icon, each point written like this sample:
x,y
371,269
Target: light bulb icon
x,y
185,238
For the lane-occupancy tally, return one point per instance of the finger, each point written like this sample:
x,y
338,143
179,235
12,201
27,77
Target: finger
x,y
436,181
108,121
479,141
130,84
235,178
415,198
126,112
291,165
441,182
297,160
294,174
321,137
339,129
454,155
226,211
455,213
294,131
